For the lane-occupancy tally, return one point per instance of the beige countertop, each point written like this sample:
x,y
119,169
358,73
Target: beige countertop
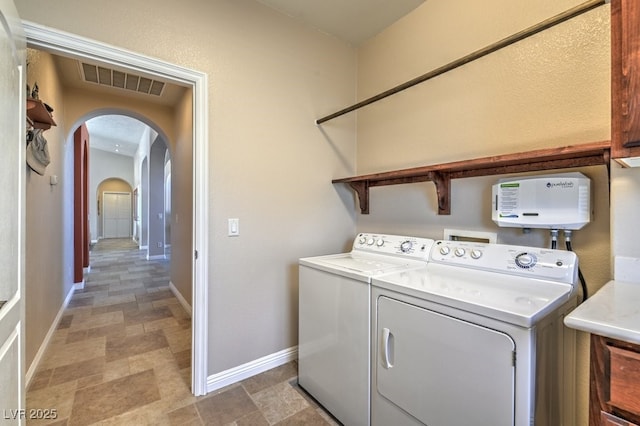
x,y
613,311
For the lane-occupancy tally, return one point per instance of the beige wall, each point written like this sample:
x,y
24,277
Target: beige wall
x,y
49,233
80,106
269,165
182,200
552,89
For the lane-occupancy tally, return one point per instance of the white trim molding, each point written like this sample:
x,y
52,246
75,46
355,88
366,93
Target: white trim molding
x,y
47,339
156,257
249,369
70,45
182,300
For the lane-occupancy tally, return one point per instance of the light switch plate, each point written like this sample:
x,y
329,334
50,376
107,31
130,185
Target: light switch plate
x,y
234,227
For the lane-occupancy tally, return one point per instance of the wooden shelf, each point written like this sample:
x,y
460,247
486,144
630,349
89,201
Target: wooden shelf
x,y
589,154
39,115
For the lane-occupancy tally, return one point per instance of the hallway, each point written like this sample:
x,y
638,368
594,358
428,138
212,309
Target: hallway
x,y
121,356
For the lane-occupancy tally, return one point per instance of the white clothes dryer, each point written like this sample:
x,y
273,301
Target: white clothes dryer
x,y
334,319
476,337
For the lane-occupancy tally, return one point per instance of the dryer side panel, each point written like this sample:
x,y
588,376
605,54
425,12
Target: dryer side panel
x,y
334,343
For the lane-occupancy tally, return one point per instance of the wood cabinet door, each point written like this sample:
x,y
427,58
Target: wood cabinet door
x,y
625,78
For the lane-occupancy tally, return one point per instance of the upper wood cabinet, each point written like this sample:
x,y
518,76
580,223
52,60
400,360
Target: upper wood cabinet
x,y
625,80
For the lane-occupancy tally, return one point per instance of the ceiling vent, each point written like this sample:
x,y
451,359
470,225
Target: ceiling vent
x,y
122,80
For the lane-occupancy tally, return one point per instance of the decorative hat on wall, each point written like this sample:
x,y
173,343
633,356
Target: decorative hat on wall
x,y
38,153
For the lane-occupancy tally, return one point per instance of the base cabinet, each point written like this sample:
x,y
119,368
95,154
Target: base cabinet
x,y
614,397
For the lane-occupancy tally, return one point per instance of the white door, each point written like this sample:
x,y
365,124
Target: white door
x,y
12,178
439,369
116,214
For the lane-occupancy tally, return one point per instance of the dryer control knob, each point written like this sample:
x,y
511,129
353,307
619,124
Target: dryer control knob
x,y
406,246
526,260
476,254
380,242
445,250
460,252
370,241
362,240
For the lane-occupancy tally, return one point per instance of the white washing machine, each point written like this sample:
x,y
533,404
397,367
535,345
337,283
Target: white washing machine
x,y
334,319
476,337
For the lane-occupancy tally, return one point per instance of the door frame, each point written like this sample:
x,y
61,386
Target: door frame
x,y
71,45
12,313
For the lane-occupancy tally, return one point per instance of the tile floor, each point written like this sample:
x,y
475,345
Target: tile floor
x,y
121,356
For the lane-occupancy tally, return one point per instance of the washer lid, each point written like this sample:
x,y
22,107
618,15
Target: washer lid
x,y
359,266
513,299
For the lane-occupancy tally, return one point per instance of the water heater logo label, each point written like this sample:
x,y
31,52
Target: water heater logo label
x,y
560,185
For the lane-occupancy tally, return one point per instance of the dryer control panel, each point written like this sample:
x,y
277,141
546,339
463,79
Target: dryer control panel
x,y
534,262
411,247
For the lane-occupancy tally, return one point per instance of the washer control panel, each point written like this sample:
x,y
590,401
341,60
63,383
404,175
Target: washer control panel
x,y
559,265
411,247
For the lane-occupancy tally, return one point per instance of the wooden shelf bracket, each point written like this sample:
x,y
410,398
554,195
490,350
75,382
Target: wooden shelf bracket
x,y
362,190
442,180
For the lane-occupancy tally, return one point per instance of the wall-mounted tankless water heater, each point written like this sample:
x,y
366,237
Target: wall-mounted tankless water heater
x,y
560,201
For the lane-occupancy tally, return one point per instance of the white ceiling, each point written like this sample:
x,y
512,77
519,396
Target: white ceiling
x,y
116,133
353,21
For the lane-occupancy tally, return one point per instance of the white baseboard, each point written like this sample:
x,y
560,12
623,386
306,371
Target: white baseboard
x,y
185,305
156,257
78,286
94,241
87,269
45,343
143,247
244,371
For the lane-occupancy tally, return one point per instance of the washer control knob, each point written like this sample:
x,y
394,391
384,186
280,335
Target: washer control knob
x,y
459,252
380,242
406,246
370,241
476,254
526,260
445,250
362,239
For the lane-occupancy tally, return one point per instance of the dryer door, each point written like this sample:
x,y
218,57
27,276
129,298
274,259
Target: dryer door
x,y
440,370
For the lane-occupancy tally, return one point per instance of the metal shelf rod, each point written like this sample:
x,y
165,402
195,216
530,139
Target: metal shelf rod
x,y
528,32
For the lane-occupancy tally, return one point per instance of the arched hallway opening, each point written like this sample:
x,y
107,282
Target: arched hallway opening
x,y
189,110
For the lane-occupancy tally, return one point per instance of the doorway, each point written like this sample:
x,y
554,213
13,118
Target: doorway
x,y
68,45
116,214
